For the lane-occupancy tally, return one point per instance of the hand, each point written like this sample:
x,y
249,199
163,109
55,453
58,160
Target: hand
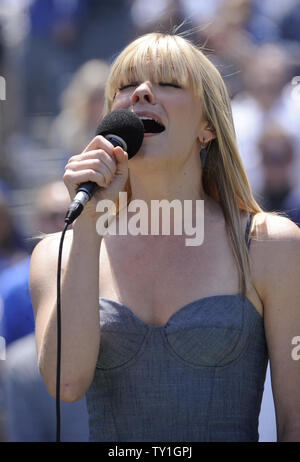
x,y
100,163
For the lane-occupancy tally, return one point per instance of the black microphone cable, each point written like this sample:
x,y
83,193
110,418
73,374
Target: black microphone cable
x,y
58,322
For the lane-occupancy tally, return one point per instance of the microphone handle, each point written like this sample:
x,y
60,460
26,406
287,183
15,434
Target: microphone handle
x,y
86,190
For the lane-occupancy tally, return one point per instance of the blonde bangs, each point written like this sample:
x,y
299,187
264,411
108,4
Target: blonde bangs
x,y
158,58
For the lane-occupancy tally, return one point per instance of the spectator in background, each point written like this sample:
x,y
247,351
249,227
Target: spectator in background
x,y
17,320
278,160
261,27
229,41
12,248
290,24
29,411
266,98
82,104
17,315
107,28
62,36
51,204
161,14
51,52
275,10
247,17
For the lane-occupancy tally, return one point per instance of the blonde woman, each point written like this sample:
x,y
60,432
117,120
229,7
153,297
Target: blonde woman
x,y
179,347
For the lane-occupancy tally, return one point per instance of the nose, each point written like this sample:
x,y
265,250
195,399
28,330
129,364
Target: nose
x,y
143,93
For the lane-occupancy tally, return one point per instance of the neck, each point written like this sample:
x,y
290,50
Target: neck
x,y
179,193
183,182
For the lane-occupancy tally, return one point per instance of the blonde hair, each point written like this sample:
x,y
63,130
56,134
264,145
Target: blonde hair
x,y
90,78
165,57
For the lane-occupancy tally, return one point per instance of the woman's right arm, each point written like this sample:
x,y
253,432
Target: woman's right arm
x,y
80,327
80,332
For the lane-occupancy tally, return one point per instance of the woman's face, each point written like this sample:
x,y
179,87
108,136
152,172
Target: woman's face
x,y
176,109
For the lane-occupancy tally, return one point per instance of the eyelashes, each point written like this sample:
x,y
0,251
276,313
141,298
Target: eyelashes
x,y
162,84
168,84
123,87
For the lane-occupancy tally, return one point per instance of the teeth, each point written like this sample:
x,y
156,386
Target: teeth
x,y
158,127
148,118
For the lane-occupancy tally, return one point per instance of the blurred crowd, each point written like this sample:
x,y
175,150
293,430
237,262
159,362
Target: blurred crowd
x,y
54,60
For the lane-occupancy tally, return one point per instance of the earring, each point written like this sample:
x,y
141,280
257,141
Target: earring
x,y
203,154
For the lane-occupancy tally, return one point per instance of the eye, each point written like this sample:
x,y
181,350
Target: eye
x,y
169,84
123,87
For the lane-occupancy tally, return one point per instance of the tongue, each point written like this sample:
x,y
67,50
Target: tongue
x,y
150,126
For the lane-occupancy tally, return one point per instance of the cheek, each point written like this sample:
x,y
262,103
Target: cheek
x,y
121,102
187,121
186,109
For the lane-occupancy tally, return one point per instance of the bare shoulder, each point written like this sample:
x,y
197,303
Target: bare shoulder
x,y
269,227
275,250
47,249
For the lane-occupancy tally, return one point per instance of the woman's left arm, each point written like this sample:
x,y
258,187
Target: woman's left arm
x,y
280,260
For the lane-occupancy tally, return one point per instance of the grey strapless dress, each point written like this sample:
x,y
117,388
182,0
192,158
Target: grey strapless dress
x,y
199,377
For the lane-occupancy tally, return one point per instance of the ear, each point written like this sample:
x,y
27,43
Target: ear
x,y
207,133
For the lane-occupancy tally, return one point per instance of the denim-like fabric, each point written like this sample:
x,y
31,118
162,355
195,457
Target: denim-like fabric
x,y
200,377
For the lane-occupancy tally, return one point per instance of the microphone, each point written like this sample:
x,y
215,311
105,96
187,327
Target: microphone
x,y
122,128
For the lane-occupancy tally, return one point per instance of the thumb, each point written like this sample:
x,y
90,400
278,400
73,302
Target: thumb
x,y
121,157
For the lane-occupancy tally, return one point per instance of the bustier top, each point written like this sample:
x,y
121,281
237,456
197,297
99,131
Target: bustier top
x,y
199,377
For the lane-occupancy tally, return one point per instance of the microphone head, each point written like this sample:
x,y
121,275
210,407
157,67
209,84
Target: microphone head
x,y
126,125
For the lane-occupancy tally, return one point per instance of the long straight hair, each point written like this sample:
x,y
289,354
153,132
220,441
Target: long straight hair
x,y
169,57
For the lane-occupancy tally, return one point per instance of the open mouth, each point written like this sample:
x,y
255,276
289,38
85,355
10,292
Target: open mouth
x,y
151,125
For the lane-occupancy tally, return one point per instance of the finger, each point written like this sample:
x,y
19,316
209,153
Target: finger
x,y
74,179
99,156
99,142
120,155
122,161
93,164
